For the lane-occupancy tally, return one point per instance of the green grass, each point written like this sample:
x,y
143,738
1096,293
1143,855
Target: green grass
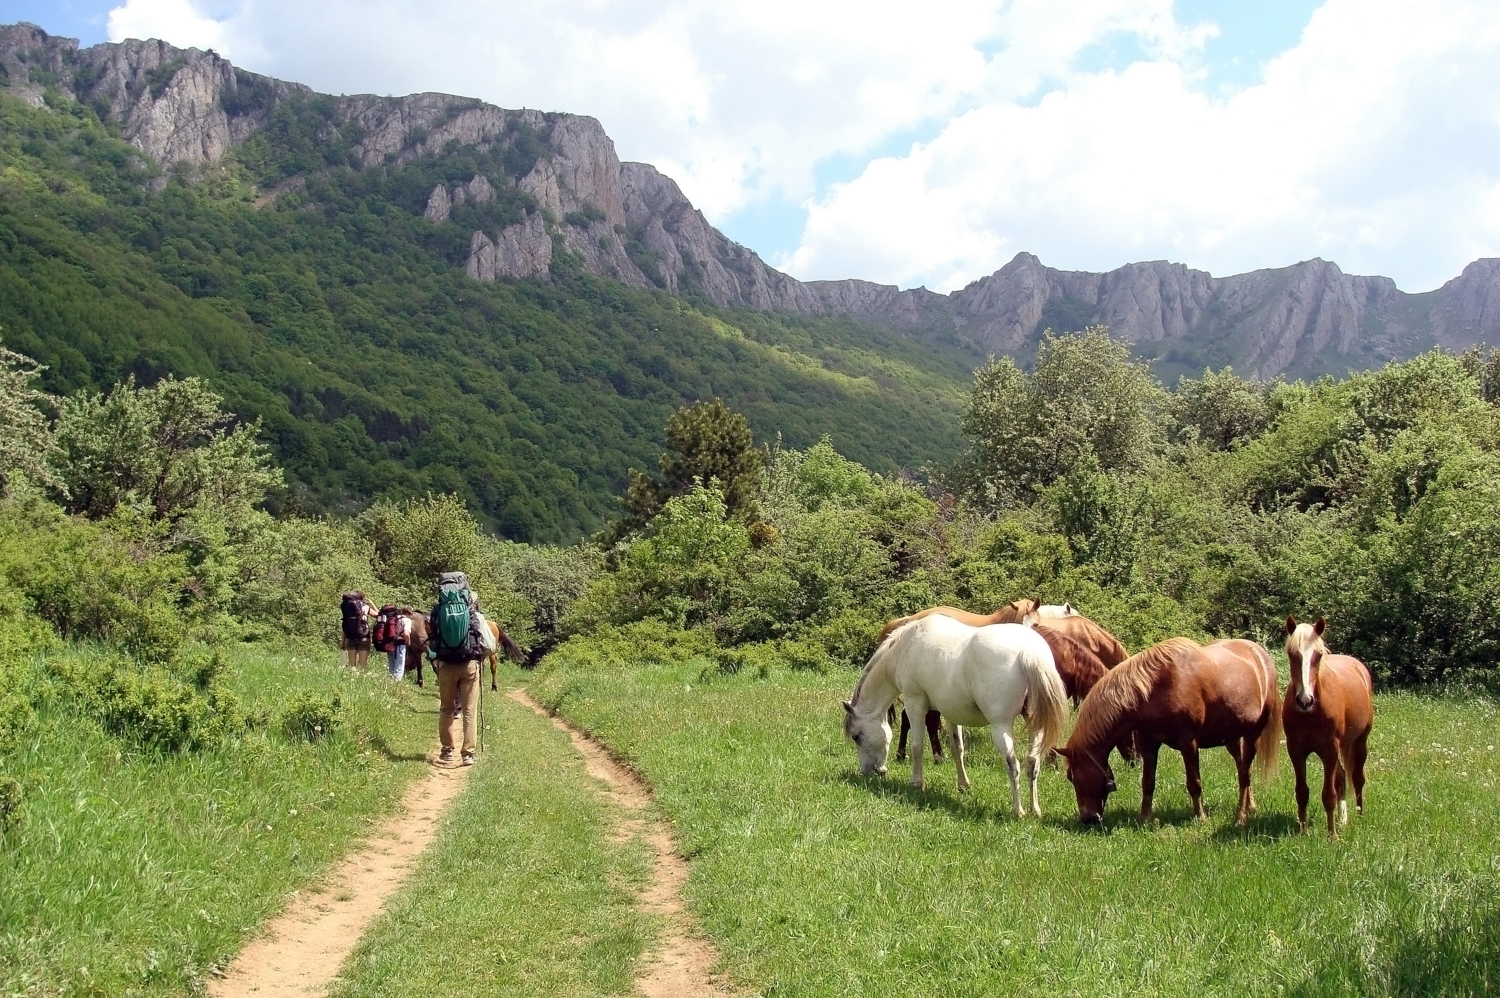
x,y
814,881
137,873
523,893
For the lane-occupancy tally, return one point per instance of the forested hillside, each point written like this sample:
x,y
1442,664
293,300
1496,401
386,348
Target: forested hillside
x,y
334,312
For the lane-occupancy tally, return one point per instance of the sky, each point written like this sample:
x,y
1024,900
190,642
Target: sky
x,y
928,144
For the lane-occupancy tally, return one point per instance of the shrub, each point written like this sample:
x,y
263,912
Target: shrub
x,y
309,717
12,817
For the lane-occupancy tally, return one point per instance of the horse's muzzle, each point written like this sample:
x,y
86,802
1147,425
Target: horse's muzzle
x,y
1091,819
1304,704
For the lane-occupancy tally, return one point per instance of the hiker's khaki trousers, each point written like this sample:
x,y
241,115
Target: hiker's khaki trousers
x,y
458,686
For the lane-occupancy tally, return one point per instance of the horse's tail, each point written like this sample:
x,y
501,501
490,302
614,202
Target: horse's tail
x,y
1268,745
513,651
1046,699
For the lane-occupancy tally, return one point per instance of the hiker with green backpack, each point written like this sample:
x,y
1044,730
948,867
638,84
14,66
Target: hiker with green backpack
x,y
457,640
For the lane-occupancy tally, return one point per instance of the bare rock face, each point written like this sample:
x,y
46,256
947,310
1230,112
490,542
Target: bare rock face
x,y
439,205
520,250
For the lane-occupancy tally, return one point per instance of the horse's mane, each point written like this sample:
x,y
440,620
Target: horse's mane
x,y
1293,640
1124,688
881,649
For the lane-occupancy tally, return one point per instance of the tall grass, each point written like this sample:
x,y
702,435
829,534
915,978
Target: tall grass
x,y
815,881
138,872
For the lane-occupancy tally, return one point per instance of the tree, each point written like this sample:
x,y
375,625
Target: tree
x,y
25,439
169,450
706,442
1086,397
1218,410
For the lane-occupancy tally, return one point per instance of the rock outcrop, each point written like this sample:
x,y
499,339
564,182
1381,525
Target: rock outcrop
x,y
629,222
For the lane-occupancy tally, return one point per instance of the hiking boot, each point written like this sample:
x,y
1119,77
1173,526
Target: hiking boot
x,y
446,755
468,759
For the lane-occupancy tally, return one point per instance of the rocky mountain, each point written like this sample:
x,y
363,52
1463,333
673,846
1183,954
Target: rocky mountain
x,y
188,109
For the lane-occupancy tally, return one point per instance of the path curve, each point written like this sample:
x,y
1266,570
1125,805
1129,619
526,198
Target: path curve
x,y
682,964
299,953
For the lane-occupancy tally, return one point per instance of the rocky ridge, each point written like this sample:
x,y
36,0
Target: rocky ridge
x,y
629,222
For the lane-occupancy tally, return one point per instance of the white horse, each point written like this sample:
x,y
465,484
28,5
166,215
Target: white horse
x,y
974,676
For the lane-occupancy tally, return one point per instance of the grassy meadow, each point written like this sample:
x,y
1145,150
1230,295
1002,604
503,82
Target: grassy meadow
x,y
138,872
814,881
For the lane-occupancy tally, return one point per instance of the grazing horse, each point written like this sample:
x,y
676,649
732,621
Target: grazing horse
x,y
1011,613
974,675
502,642
1188,697
1329,710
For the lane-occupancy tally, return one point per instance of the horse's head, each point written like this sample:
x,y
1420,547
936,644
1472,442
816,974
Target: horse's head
x,y
1093,781
1016,611
1305,650
871,736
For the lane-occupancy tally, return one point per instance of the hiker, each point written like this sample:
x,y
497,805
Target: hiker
x,y
457,641
358,614
393,636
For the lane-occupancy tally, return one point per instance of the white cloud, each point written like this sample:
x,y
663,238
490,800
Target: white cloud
x,y
1375,142
175,21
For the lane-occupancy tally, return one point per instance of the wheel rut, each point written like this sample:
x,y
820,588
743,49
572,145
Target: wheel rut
x,y
682,964
299,952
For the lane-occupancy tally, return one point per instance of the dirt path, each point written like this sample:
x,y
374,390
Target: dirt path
x,y
300,952
682,965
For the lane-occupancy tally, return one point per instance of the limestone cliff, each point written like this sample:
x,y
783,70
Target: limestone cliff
x,y
629,222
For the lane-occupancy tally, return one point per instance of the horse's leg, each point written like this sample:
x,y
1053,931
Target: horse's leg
x,y
956,744
1194,779
917,705
1148,750
1034,772
934,732
1340,783
1299,767
1357,753
1242,751
1330,759
1000,732
494,667
905,730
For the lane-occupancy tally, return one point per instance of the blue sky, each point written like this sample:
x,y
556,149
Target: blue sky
x,y
859,138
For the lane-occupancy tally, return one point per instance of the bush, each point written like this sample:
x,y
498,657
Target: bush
x,y
309,717
150,705
11,815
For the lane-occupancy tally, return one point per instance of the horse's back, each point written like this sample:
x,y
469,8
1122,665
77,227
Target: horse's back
x,y
1355,687
1238,680
1105,646
963,671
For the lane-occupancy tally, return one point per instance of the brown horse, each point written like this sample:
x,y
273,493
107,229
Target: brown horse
x,y
503,643
1329,710
416,641
1186,696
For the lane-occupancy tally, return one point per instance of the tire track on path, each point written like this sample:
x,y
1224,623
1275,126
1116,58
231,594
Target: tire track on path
x,y
682,964
299,953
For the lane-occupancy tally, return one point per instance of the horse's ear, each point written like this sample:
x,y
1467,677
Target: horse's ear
x,y
848,707
1318,627
1062,750
1291,624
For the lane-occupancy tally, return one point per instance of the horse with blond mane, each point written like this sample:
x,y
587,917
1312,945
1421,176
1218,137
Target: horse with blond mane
x,y
1185,696
975,676
1329,710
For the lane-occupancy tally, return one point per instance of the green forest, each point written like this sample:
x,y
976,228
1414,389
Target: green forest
x,y
340,318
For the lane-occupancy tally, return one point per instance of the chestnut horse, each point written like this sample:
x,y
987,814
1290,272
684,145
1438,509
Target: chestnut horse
x,y
1188,697
502,642
1329,710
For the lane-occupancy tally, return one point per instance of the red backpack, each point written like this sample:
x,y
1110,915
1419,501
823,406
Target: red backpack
x,y
385,628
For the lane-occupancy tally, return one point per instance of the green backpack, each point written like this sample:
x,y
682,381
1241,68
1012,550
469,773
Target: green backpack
x,y
453,619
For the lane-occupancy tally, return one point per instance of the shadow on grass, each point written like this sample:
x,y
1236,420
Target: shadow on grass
x,y
1262,828
934,798
1459,957
379,744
